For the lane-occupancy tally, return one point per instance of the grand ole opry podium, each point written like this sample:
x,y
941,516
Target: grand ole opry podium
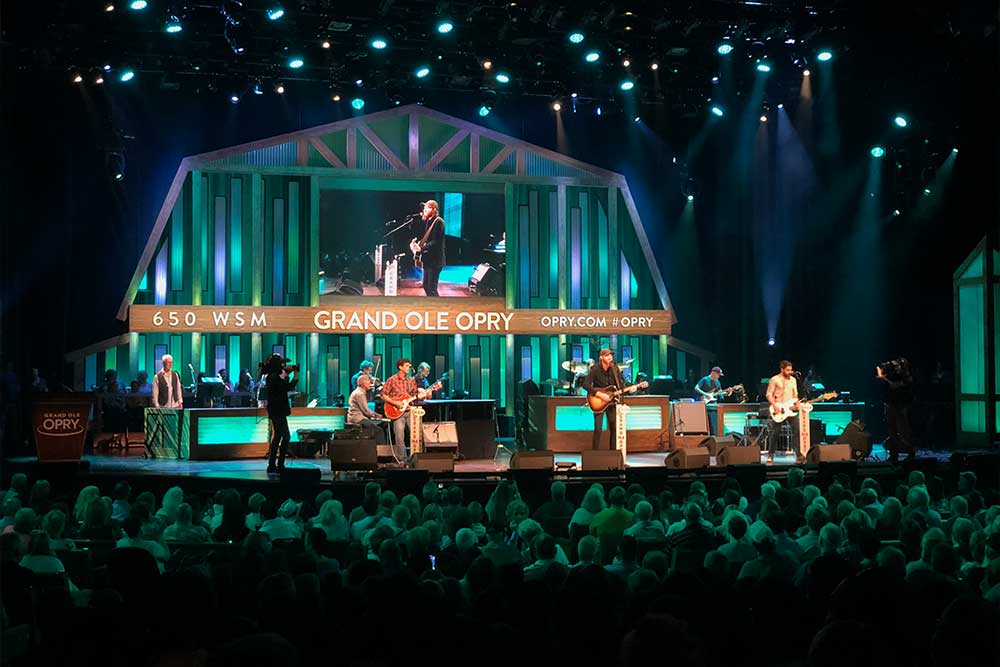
x,y
280,245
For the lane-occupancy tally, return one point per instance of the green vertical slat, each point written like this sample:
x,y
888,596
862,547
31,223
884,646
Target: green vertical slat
x,y
344,381
198,213
144,364
407,349
313,241
554,357
317,371
294,264
236,235
502,357
513,243
176,347
485,365
585,257
257,230
291,351
536,358
235,363
971,340
177,247
603,276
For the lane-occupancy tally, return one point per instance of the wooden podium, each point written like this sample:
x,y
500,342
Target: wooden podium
x,y
59,423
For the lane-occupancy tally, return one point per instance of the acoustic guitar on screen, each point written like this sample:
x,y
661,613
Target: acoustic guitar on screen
x,y
598,405
395,412
783,411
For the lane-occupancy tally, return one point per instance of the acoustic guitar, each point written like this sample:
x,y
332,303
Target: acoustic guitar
x,y
783,411
395,412
597,405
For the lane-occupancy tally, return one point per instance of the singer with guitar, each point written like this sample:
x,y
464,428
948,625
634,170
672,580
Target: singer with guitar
x,y
398,393
783,395
604,375
428,252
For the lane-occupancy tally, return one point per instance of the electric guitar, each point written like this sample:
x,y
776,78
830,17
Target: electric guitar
x,y
783,411
716,395
395,412
598,405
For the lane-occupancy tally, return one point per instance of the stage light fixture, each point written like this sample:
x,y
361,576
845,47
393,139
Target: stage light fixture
x,y
77,78
487,64
690,197
234,99
422,72
126,76
574,95
626,63
770,342
275,12
358,103
502,77
557,106
717,110
715,79
257,89
763,66
806,72
877,151
444,27
379,43
115,164
138,5
325,44
895,213
173,26
576,37
626,85
636,119
824,56
763,119
724,49
107,68
484,110
781,106
900,121
954,151
654,66
927,191
592,56
599,111
296,62
280,89
110,7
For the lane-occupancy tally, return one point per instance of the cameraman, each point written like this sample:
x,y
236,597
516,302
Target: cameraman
x,y
278,408
898,378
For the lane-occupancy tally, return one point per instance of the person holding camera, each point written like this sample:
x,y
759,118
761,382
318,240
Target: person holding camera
x,y
277,375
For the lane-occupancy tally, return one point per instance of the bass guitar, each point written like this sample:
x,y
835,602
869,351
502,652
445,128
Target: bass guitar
x,y
598,405
397,411
783,411
716,395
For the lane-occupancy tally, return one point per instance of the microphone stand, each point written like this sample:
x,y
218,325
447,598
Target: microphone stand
x,y
405,223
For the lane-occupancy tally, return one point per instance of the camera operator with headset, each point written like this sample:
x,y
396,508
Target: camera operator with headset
x,y
898,377
277,371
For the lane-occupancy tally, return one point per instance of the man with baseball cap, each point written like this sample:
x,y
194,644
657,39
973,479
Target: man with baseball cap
x,y
431,246
709,386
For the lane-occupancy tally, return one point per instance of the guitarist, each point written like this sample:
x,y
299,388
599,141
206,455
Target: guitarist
x,y
709,386
781,388
432,246
395,390
604,374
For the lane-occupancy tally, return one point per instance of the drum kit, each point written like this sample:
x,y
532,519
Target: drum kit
x,y
579,370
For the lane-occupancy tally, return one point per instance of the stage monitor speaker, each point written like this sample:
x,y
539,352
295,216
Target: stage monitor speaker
x,y
601,459
688,458
717,443
533,460
300,478
440,436
738,456
688,417
859,441
486,281
434,461
688,441
835,452
360,454
817,431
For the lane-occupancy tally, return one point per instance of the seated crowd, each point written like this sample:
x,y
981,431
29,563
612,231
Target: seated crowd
x,y
791,574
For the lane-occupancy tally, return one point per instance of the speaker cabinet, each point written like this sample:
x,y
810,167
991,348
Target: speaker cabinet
x,y
836,452
533,460
738,456
601,459
716,444
688,441
688,458
434,461
859,441
359,454
688,417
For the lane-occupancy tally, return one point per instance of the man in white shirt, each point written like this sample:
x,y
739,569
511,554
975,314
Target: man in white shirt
x,y
359,413
167,392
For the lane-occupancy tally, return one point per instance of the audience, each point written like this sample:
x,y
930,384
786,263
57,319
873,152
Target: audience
x,y
638,580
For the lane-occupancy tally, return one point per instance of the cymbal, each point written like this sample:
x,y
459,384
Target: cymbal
x,y
625,364
576,367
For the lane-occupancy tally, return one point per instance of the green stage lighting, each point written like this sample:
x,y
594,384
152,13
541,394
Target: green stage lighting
x,y
763,67
878,151
717,110
901,121
379,43
422,72
724,49
358,103
824,56
592,56
126,76
295,62
627,84
485,110
576,37
503,77
444,27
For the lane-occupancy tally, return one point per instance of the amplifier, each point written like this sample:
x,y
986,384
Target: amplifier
x,y
360,454
688,459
